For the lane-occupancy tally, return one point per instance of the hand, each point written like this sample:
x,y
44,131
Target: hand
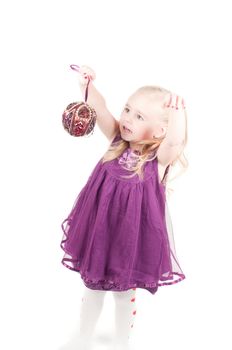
x,y
174,101
86,73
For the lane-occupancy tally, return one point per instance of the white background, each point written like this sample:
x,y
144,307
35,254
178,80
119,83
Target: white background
x,y
181,45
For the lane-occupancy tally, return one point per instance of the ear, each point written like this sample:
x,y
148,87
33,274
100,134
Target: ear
x,y
164,130
160,132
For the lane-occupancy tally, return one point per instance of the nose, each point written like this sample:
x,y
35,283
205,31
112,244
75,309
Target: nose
x,y
128,119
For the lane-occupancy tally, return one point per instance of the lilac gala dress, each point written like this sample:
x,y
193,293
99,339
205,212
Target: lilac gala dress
x,y
118,235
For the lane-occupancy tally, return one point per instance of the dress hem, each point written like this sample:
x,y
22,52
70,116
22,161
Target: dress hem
x,y
110,285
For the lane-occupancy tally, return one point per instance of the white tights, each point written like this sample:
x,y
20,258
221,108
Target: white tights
x,y
91,307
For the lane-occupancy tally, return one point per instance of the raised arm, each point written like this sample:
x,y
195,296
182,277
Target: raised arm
x,y
105,120
173,143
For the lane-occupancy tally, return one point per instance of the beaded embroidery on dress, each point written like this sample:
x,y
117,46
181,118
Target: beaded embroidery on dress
x,y
129,158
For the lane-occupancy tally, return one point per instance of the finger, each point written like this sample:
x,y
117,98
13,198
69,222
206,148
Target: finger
x,y
177,102
84,70
173,101
180,103
177,98
183,104
170,100
85,75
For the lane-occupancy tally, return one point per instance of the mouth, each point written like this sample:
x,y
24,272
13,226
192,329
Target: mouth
x,y
125,129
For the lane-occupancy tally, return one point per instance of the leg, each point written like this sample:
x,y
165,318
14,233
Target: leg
x,y
91,307
92,302
125,311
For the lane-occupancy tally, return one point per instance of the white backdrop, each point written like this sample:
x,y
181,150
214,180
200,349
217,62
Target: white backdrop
x,y
181,45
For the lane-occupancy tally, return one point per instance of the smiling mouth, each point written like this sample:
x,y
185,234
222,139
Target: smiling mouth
x,y
126,129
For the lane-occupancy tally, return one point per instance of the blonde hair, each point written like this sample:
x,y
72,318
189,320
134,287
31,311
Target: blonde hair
x,y
150,147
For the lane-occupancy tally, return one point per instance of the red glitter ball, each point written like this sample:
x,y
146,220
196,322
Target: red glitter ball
x,y
79,119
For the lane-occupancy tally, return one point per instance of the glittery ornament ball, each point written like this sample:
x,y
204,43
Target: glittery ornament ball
x,y
79,119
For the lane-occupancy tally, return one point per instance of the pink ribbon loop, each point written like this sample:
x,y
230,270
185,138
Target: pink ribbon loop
x,y
77,69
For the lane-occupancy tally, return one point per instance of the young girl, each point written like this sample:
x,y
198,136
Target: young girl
x,y
118,235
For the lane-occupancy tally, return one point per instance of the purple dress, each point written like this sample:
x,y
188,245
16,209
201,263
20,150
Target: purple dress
x,y
118,234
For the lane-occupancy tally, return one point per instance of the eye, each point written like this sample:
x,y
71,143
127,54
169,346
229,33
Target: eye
x,y
140,116
126,109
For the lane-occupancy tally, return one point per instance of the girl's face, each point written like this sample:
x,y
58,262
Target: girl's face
x,y
141,116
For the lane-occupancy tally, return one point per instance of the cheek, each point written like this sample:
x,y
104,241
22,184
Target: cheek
x,y
147,134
